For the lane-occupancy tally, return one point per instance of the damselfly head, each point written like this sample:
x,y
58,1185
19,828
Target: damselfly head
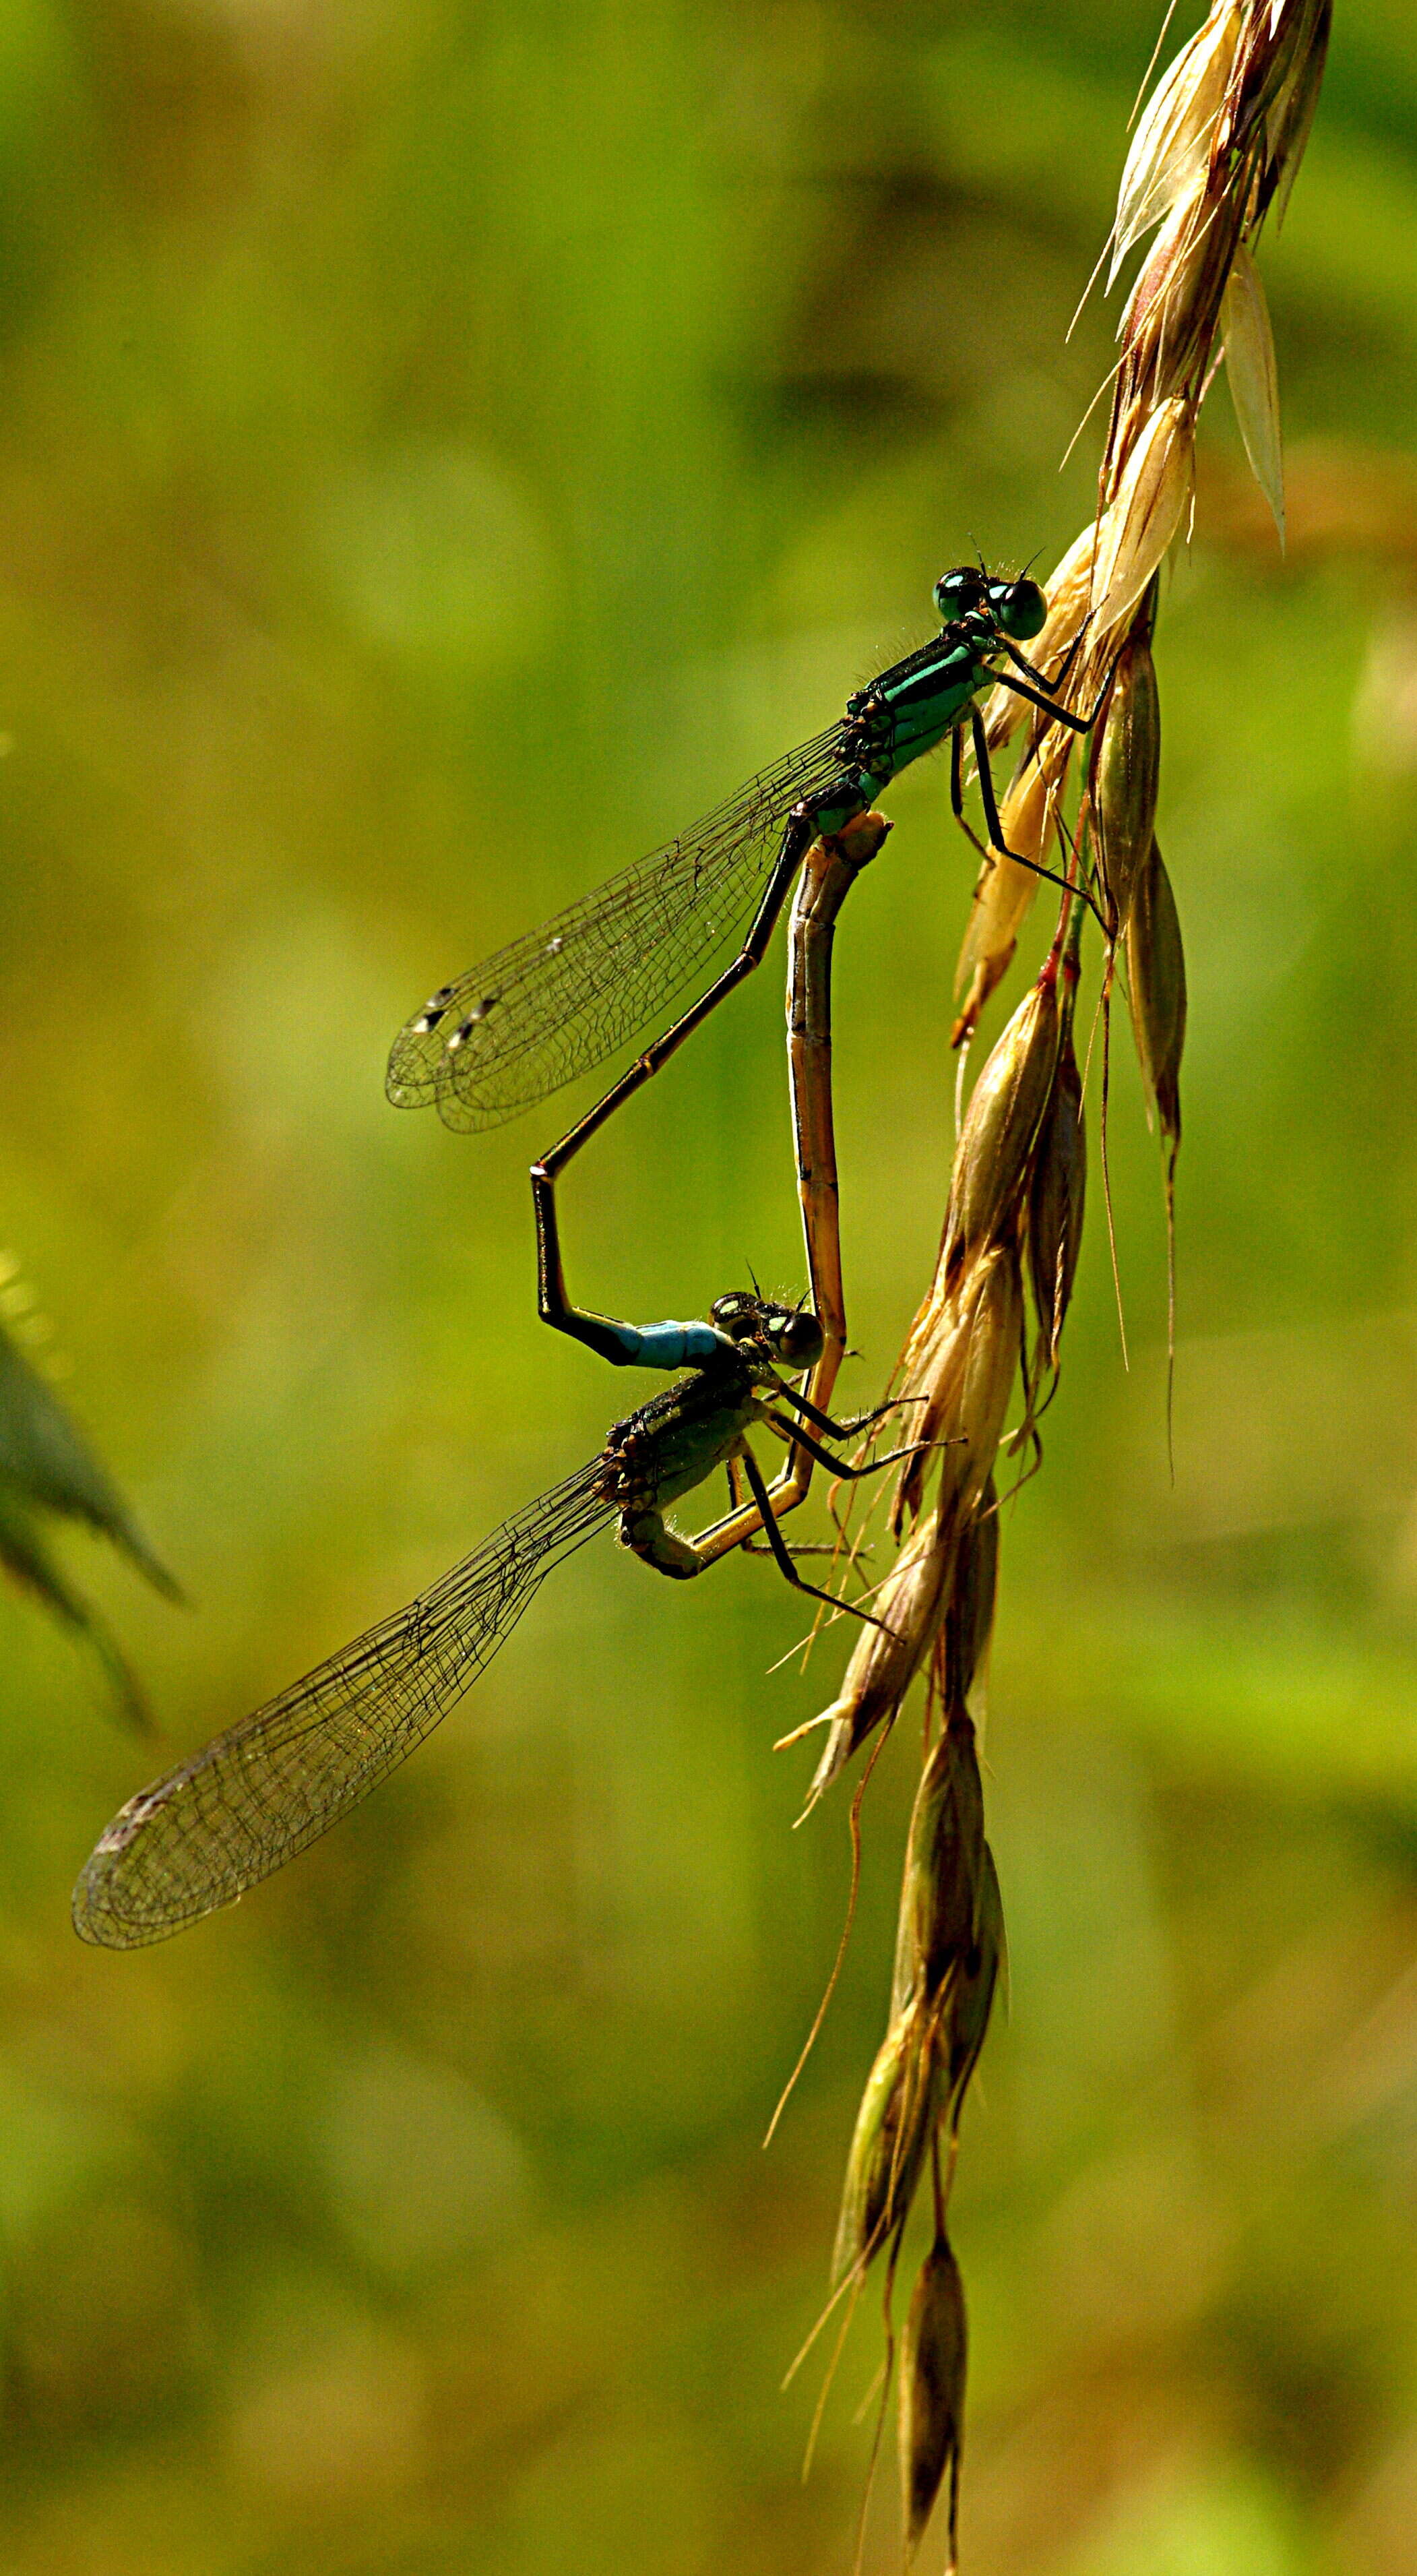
x,y
785,1336
1018,609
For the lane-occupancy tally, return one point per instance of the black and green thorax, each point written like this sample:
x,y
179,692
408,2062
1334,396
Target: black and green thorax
x,y
915,704
671,1444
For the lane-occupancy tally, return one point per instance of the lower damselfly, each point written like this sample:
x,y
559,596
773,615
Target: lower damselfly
x,y
267,1788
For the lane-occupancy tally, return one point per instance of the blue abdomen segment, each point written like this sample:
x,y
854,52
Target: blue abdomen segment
x,y
671,1345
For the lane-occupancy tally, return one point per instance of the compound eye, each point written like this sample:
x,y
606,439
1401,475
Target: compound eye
x,y
958,591
1020,608
798,1337
737,1315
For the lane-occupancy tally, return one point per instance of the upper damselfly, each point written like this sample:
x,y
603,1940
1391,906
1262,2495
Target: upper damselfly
x,y
559,1001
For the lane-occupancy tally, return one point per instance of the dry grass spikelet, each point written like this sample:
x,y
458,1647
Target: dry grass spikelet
x,y
1057,1191
966,1346
1124,776
1215,150
1157,980
996,1141
886,1659
969,1615
971,1997
932,2371
944,1864
1144,512
1003,895
888,2144
1171,148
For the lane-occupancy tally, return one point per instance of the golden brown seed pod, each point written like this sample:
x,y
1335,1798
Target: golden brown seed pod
x,y
1171,149
1292,114
887,2145
1169,324
1145,513
1125,774
1001,1122
944,1861
971,1995
932,2373
1281,53
1068,591
1156,966
968,1354
969,1615
1254,378
885,1661
1003,893
1056,1197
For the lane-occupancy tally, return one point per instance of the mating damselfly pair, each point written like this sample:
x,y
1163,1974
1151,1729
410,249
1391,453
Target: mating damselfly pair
x,y
504,1036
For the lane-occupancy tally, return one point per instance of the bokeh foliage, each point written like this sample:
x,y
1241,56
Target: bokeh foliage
x,y
442,447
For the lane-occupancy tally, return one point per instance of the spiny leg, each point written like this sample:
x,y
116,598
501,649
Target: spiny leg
x,y
793,1431
1076,723
720,1536
601,1333
783,1552
757,1546
855,1423
1031,671
986,790
648,1534
991,815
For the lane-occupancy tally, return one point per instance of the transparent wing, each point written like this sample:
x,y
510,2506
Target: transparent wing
x,y
260,1793
561,1000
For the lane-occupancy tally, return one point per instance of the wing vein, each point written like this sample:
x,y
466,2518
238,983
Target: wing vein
x,y
565,996
268,1787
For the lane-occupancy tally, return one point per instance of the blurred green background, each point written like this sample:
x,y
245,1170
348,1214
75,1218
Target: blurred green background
x,y
442,448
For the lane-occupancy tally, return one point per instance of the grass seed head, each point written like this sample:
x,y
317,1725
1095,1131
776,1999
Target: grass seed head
x,y
1145,513
971,1995
1292,115
1156,963
969,1614
1003,895
885,1660
939,1905
1273,89
1171,149
1056,1199
1168,329
1001,1122
1125,775
887,2145
933,2358
1254,378
966,1374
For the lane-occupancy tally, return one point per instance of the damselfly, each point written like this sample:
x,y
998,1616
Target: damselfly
x,y
561,1000
556,1003
257,1795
